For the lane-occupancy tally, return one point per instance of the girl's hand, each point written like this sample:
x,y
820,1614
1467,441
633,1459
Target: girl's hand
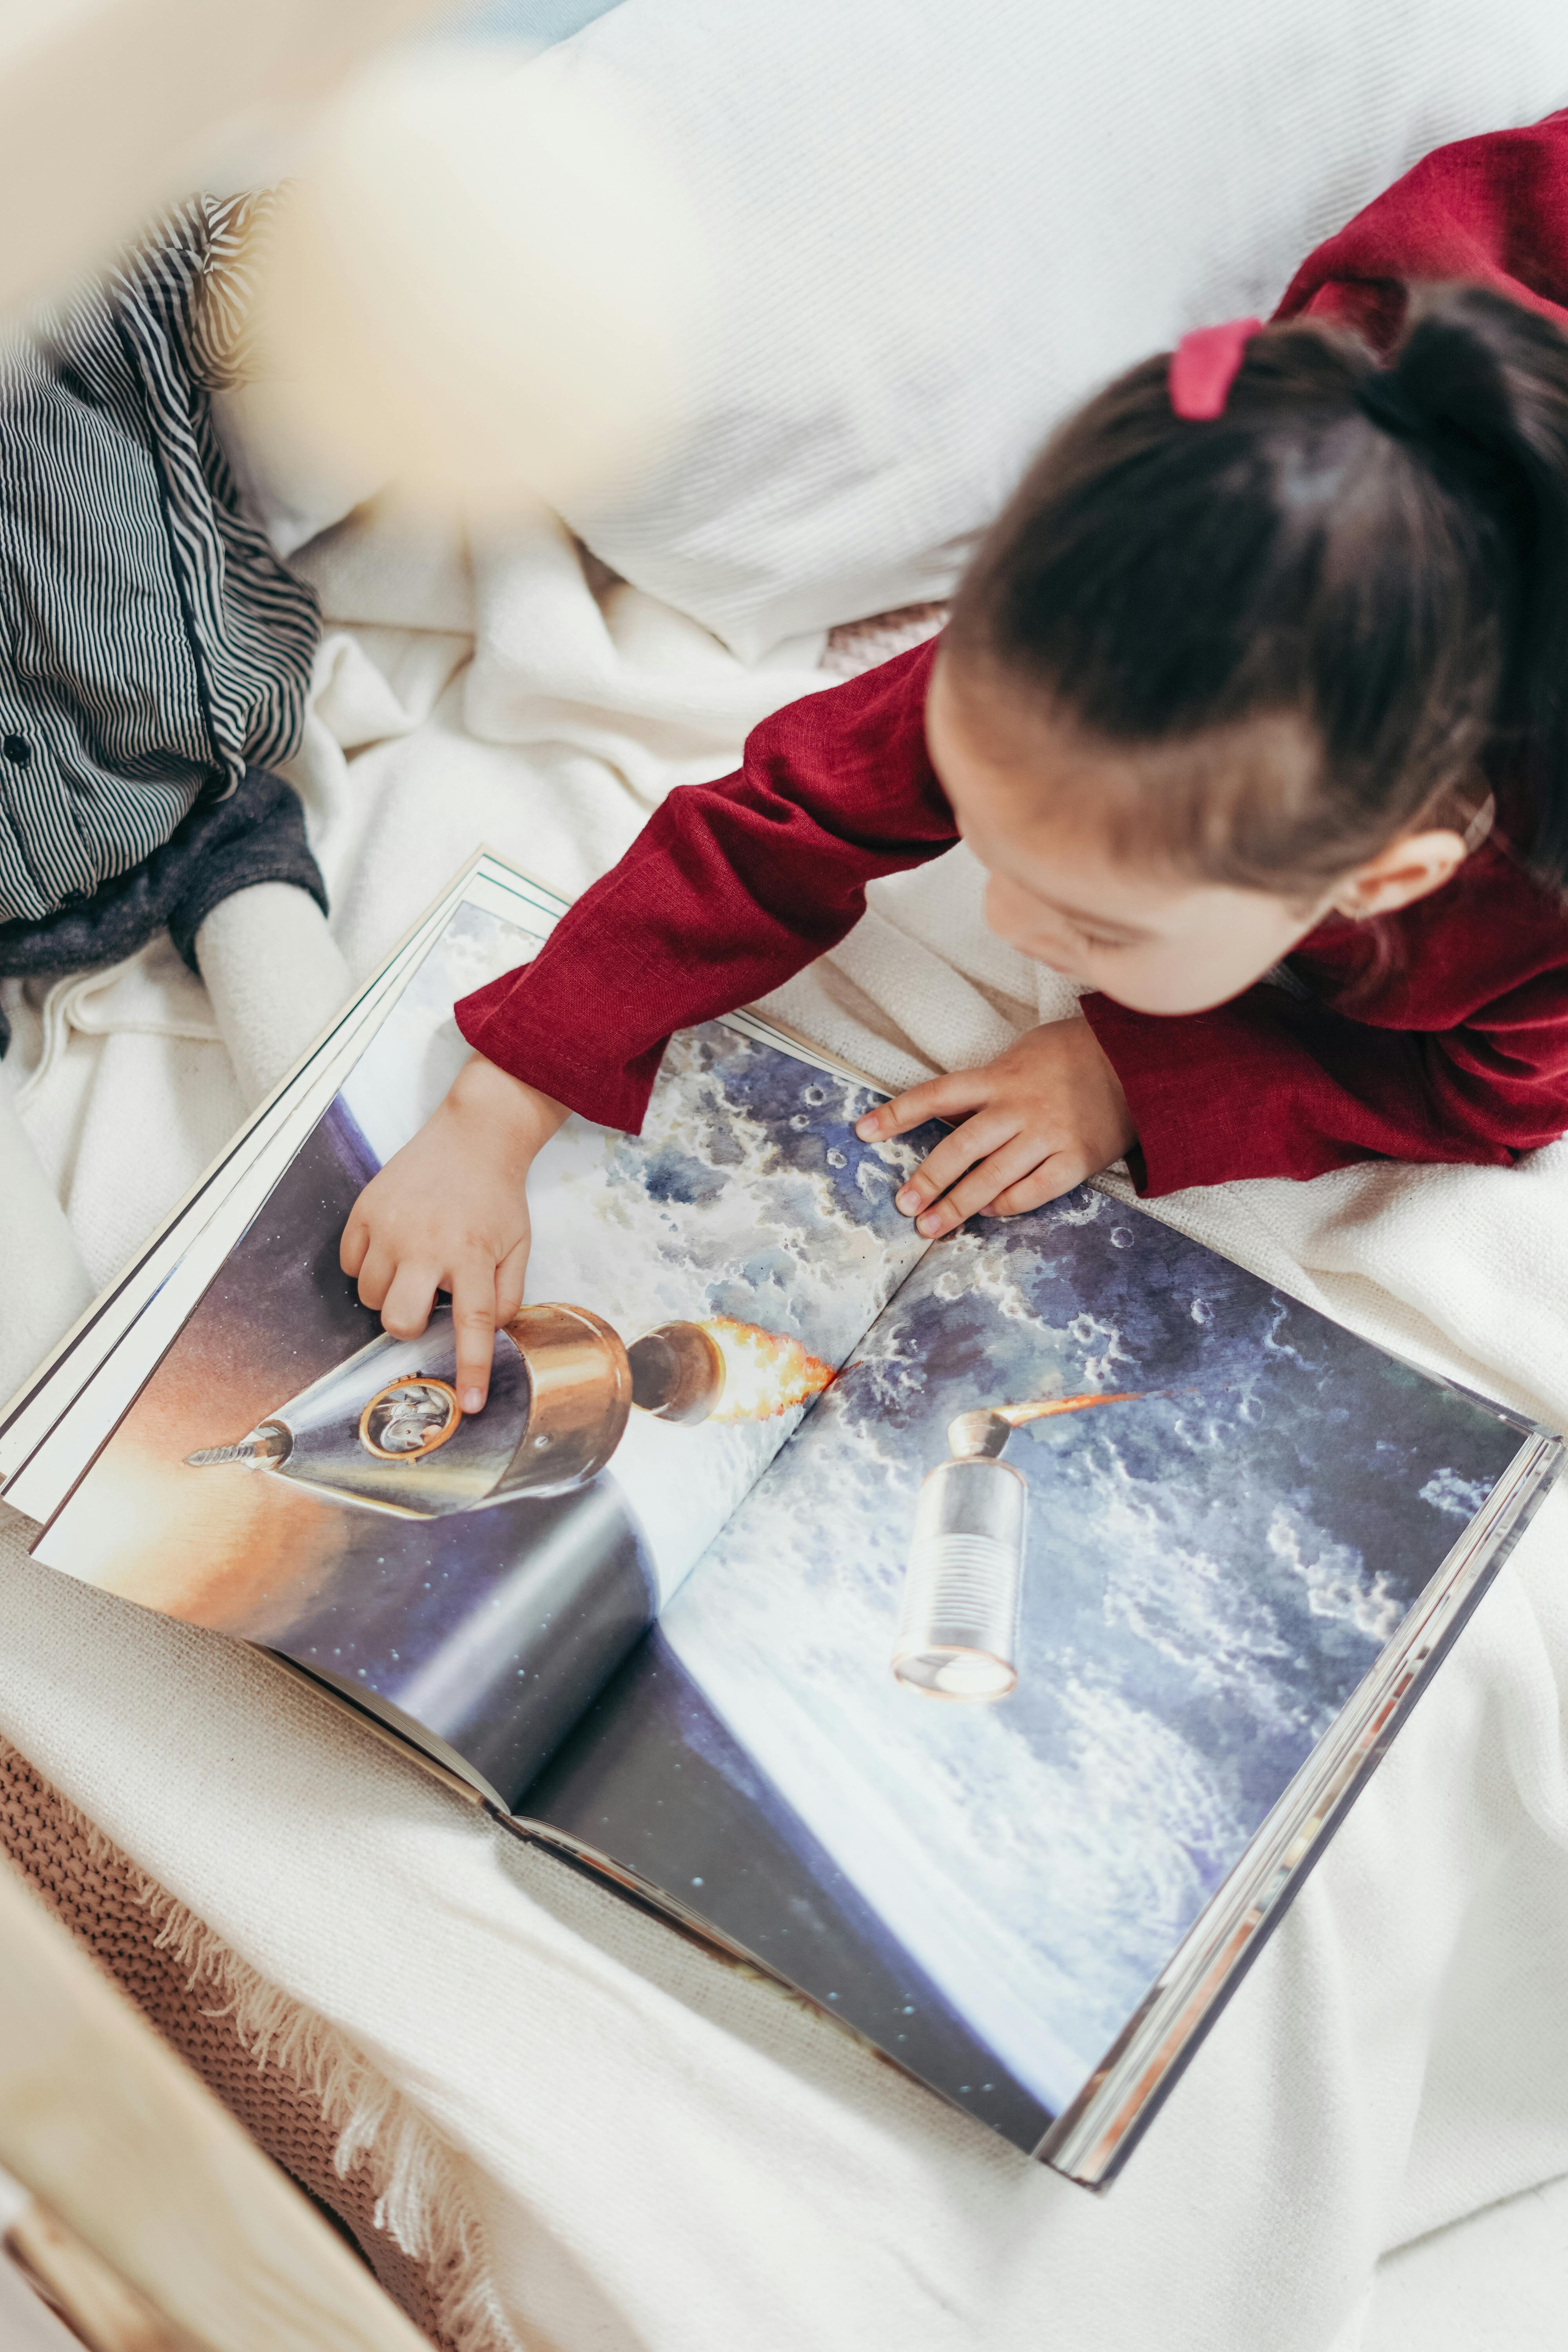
x,y
1041,1116
449,1212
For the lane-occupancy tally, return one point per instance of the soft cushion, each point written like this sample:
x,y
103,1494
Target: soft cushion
x,y
935,230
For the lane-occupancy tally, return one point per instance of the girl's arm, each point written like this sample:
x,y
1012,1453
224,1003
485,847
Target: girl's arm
x,y
728,891
1270,1086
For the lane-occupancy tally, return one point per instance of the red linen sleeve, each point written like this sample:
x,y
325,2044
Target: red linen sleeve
x,y
1492,211
728,891
1267,1086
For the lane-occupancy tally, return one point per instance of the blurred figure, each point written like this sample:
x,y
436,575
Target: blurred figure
x,y
157,654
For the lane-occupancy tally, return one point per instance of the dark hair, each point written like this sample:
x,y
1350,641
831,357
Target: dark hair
x,y
1379,552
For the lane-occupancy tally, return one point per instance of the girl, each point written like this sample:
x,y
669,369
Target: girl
x,y
1252,706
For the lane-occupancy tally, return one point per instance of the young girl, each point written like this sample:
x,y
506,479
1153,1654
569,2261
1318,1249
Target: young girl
x,y
1254,706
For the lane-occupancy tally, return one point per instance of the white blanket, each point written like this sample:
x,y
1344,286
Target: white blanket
x,y
668,2154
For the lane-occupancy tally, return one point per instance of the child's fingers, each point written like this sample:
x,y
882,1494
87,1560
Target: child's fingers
x,y
354,1244
1048,1182
976,1139
980,1187
510,1277
405,1309
944,1097
376,1270
474,1320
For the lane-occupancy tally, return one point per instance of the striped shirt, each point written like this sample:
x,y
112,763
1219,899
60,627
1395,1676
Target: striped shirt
x,y
152,646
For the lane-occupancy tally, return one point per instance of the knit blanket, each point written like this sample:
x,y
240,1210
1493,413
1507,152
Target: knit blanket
x,y
316,2106
658,2150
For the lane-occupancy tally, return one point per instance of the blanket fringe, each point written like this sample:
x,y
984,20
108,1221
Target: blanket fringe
x,y
422,2198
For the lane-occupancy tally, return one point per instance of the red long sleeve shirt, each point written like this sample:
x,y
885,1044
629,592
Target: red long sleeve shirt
x,y
1445,1038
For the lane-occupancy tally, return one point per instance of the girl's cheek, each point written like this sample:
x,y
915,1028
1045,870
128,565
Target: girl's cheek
x,y
1020,926
1017,920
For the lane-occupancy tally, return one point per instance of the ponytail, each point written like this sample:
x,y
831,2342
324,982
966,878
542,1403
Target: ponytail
x,y
1379,553
1478,387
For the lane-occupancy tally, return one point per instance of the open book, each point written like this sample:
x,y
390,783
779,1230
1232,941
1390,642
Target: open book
x,y
985,1637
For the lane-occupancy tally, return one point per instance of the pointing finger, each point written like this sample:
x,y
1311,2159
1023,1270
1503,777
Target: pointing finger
x,y
474,1320
509,1275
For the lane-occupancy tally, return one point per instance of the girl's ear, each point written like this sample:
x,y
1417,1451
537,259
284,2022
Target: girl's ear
x,y
1411,868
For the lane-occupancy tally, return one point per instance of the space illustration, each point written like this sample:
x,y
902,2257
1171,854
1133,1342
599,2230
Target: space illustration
x,y
1209,1562
935,1623
563,1388
294,1474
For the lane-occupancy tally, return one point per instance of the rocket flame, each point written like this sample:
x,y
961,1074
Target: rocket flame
x,y
765,1371
986,1431
1015,1415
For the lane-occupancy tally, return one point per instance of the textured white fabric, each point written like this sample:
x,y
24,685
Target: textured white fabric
x,y
676,2158
43,1282
934,231
679,2160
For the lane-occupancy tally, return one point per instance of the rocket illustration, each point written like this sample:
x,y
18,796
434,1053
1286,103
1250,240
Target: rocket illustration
x,y
958,1626
384,1429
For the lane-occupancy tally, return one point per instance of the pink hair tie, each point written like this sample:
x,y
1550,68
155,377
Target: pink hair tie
x,y
1203,366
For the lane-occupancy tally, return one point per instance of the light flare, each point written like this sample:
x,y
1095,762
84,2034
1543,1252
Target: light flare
x,y
765,1373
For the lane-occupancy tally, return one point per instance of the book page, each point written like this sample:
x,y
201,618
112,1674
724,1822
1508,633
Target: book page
x,y
159,1268
292,1474
964,1721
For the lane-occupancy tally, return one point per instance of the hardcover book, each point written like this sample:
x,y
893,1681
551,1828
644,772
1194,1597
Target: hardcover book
x,y
983,1637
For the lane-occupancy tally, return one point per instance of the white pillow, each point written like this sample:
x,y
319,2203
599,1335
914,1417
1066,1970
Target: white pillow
x,y
937,229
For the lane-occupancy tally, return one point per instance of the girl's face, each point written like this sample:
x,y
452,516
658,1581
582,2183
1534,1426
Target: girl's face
x,y
1025,796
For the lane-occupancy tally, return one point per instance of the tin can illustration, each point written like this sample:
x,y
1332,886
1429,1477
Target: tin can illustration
x,y
958,1630
964,1588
